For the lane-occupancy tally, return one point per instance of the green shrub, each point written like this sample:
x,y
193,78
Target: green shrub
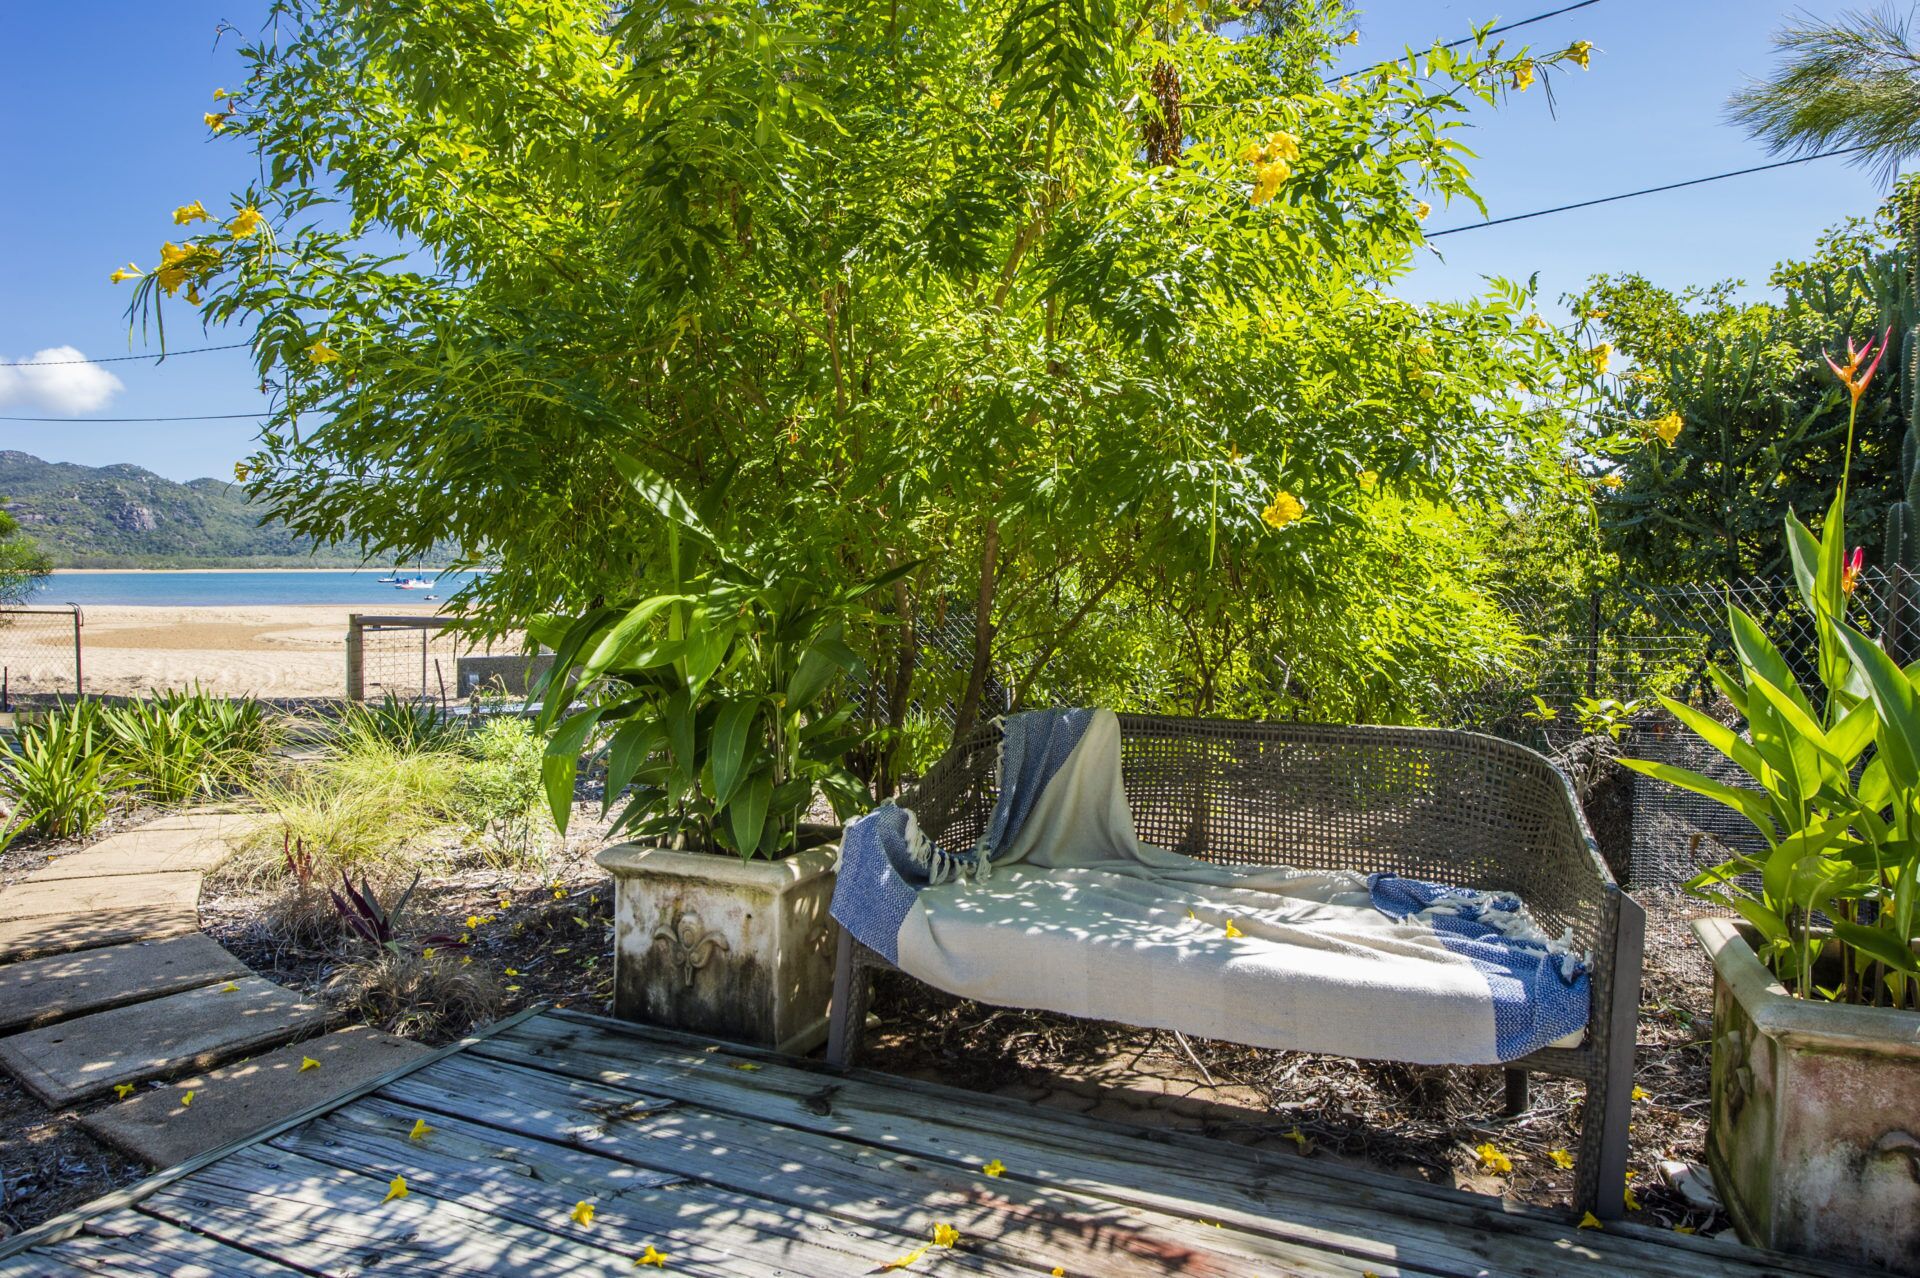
x,y
402,726
498,791
175,746
60,775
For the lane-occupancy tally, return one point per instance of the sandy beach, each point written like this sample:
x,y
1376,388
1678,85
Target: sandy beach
x,y
268,651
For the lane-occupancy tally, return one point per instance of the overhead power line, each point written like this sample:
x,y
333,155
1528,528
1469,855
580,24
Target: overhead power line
x,y
1473,39
118,359
190,417
1648,190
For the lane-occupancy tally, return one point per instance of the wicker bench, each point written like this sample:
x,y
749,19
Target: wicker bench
x,y
1454,807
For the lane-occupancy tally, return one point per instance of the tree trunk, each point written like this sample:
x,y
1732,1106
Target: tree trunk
x,y
969,712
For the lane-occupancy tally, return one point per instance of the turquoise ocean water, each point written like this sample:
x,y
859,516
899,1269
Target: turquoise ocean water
x,y
359,588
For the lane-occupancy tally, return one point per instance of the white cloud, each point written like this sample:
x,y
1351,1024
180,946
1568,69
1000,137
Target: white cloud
x,y
58,380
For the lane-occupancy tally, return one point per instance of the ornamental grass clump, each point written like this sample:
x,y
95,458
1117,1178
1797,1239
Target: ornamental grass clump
x,y
1834,899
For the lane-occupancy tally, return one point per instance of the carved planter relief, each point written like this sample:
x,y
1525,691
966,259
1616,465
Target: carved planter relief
x,y
1815,1108
718,946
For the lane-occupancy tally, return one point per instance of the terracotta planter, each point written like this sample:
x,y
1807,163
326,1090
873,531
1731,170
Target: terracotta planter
x,y
1814,1137
740,950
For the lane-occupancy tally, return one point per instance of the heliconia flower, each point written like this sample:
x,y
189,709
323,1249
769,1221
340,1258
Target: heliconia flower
x,y
420,1129
1850,573
1493,1159
658,1259
1850,375
246,222
1580,52
397,1188
996,1168
945,1235
307,1063
127,272
582,1213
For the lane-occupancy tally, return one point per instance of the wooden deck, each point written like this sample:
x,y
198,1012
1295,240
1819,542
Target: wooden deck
x,y
743,1163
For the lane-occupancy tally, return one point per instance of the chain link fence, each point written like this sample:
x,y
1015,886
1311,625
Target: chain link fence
x,y
432,659
40,653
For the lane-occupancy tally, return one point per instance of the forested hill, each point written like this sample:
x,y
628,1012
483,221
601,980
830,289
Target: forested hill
x,y
125,517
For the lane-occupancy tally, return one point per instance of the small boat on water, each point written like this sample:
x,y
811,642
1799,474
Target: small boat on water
x,y
413,583
386,581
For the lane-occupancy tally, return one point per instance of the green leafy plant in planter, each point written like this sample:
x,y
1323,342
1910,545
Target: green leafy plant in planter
x,y
1842,836
708,697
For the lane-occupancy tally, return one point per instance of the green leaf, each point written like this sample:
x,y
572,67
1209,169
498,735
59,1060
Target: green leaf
x,y
732,733
816,669
1746,802
629,630
661,495
747,814
1894,698
1758,654
1722,738
561,763
626,752
1878,944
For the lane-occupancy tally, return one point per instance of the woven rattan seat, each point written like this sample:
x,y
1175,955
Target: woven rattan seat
x,y
1451,807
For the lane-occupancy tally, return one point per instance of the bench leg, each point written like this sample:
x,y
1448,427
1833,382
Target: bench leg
x,y
1609,1104
847,1019
1519,1095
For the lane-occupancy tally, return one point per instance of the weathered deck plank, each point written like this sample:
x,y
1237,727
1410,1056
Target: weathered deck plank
x,y
1319,1204
739,1162
851,1182
127,1244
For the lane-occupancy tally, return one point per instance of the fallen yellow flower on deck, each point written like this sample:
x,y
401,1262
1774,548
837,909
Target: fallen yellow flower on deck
x,y
397,1189
582,1213
1492,1159
658,1259
229,988
906,1261
1640,1093
1683,1229
420,1129
1590,1221
994,1168
307,1063
945,1235
1299,1138
1233,931
513,971
1561,1158
186,1100
745,1067
123,1090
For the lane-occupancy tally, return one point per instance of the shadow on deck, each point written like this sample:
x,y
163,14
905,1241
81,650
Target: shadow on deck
x,y
730,1161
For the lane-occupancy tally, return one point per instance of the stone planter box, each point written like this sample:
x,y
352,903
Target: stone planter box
x,y
1814,1135
711,944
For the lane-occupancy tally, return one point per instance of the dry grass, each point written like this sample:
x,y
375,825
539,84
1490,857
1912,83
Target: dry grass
x,y
433,999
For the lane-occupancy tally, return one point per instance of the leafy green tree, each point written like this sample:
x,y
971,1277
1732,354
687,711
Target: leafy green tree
x,y
1852,82
23,564
1724,418
1086,307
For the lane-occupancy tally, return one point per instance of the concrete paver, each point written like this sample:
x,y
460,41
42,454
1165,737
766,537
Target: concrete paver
x,y
41,991
240,1099
195,1029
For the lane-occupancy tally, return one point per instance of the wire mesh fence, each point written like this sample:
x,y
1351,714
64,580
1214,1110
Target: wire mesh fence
x,y
40,653
434,659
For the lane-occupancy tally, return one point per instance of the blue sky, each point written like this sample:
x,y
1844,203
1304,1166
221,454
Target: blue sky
x,y
101,137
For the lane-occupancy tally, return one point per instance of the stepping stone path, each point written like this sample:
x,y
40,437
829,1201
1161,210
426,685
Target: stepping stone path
x,y
106,981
